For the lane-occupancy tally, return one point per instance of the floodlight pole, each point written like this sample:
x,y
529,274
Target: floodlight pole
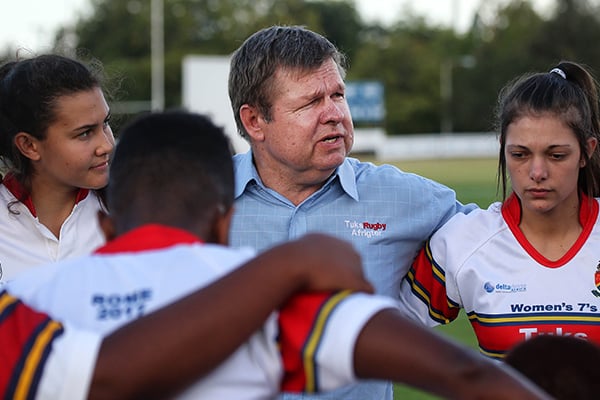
x,y
446,95
157,54
446,88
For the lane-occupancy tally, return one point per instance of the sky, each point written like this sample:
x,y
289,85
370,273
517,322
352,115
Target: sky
x,y
31,23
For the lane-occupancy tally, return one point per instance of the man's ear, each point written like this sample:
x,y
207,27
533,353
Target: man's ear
x,y
27,145
107,225
251,119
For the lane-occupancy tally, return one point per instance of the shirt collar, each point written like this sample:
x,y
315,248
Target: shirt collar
x,y
588,210
588,213
245,172
348,179
21,193
148,237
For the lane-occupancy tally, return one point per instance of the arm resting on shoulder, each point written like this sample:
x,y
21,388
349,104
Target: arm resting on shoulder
x,y
163,352
392,347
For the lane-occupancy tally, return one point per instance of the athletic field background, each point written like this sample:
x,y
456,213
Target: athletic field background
x,y
475,181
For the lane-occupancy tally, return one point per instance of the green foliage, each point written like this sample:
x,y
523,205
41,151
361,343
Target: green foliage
x,y
412,96
118,33
505,40
570,33
502,50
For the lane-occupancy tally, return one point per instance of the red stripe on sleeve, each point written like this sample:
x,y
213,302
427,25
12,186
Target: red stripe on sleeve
x,y
428,283
19,328
301,325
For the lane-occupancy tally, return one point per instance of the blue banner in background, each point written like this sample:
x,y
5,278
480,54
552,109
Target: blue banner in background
x,y
365,99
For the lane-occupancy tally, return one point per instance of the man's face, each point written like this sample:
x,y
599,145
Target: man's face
x,y
310,131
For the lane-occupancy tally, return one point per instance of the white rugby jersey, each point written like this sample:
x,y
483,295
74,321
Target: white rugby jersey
x,y
483,263
154,265
26,243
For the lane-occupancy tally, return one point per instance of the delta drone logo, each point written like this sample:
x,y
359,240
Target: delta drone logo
x,y
596,292
488,287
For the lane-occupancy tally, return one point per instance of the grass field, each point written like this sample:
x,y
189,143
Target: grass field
x,y
474,181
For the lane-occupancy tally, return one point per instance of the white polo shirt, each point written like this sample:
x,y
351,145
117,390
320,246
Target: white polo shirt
x,y
26,243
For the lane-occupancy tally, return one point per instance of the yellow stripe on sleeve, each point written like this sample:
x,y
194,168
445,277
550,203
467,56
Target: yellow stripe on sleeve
x,y
34,358
315,337
5,301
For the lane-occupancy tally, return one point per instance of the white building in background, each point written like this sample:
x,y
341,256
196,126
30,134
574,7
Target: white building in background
x,y
204,80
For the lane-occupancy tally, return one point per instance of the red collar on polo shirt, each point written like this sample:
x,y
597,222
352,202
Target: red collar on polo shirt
x,y
148,237
19,191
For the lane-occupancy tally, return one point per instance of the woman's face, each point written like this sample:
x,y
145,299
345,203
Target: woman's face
x,y
78,144
543,158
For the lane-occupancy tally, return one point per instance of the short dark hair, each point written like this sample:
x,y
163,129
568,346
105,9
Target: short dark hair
x,y
173,168
564,366
255,62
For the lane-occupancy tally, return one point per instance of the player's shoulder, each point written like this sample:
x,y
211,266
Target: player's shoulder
x,y
18,313
473,227
465,235
47,276
391,176
223,259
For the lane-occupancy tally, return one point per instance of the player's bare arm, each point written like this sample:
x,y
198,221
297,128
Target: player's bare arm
x,y
140,350
392,347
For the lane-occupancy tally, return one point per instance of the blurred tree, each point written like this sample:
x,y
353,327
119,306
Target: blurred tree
x,y
118,33
407,56
502,49
571,34
516,41
407,59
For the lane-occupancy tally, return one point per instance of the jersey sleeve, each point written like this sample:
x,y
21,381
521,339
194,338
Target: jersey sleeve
x,y
70,367
317,335
35,350
423,292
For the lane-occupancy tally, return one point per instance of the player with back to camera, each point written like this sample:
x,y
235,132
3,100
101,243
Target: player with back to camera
x,y
56,141
317,341
527,266
46,359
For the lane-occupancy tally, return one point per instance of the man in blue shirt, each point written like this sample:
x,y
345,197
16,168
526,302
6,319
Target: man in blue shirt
x,y
286,86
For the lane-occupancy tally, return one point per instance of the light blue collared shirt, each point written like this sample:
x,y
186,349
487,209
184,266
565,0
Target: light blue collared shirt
x,y
387,214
